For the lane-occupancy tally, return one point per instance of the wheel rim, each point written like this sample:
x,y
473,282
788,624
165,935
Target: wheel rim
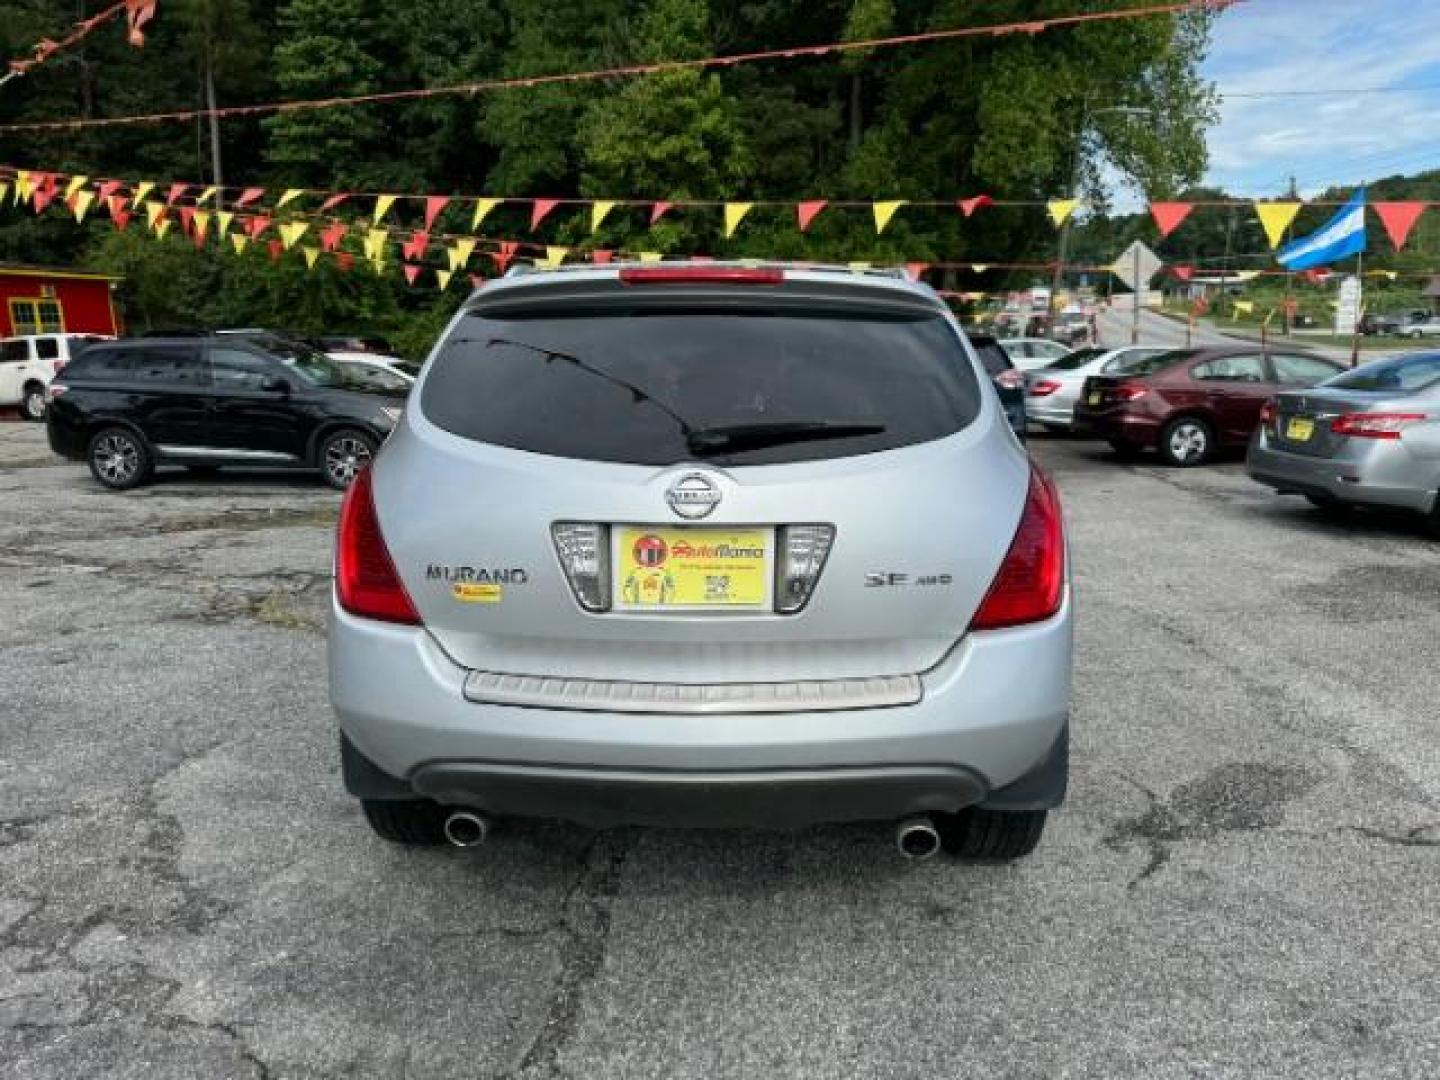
x,y
1187,442
34,405
117,458
345,457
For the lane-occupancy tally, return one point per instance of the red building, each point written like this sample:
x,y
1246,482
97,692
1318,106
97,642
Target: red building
x,y
35,300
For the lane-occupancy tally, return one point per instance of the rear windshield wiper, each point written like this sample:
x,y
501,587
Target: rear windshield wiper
x,y
734,437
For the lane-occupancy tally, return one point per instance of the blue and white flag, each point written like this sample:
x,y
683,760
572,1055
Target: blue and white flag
x,y
1342,235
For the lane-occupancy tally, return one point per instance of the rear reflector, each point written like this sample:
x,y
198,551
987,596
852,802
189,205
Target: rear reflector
x,y
701,275
1031,581
1044,388
366,583
1375,425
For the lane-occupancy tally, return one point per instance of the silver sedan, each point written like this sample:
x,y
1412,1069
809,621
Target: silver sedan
x,y
1368,436
1052,391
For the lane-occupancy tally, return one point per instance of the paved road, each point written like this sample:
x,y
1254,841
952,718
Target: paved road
x,y
1115,325
1245,882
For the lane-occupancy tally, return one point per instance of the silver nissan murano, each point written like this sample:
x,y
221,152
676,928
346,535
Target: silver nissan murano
x,y
704,544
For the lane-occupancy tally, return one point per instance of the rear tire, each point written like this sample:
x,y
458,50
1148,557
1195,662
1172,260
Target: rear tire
x,y
406,821
343,453
32,403
1187,441
119,459
990,835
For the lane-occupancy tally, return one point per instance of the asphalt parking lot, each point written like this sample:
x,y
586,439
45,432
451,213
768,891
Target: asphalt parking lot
x,y
1245,882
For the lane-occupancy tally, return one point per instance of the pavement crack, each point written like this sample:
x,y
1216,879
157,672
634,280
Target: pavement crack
x,y
229,1030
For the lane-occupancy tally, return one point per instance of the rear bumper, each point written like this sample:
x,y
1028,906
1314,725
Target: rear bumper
x,y
1380,473
1118,426
990,727
1041,411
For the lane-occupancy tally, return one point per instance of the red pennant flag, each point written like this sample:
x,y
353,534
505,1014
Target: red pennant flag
x,y
1399,218
333,201
504,255
1182,272
137,14
176,190
331,237
42,198
118,213
1168,215
249,195
540,210
916,270
187,219
433,205
659,210
275,247
107,189
969,206
601,256
806,212
256,225
415,249
411,272
344,260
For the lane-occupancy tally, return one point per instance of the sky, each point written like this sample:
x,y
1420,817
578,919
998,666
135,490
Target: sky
x,y
1340,137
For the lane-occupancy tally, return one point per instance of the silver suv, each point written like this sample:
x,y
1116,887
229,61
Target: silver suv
x,y
708,545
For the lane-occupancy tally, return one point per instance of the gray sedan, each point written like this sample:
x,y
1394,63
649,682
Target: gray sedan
x,y
1052,391
1368,436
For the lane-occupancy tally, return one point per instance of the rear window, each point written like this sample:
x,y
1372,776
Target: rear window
x,y
636,386
1078,358
1402,374
1150,364
993,356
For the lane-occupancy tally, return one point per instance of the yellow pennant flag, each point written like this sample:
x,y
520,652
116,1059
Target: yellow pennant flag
x,y
460,254
82,204
162,227
554,256
482,210
22,185
443,277
1276,218
598,212
383,203
153,210
239,240
222,221
650,256
292,231
205,196
294,193
201,221
76,183
1061,209
141,190
883,212
735,213
311,254
375,246
3,189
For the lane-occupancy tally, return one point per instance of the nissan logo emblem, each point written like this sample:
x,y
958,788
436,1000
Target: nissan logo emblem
x,y
692,496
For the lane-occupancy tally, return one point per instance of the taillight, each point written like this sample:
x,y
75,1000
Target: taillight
x,y
584,551
1375,425
1130,391
701,275
54,390
803,550
1031,581
1010,379
1043,388
365,579
1267,412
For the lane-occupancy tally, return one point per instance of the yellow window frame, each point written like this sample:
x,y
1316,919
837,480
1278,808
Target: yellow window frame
x,y
31,305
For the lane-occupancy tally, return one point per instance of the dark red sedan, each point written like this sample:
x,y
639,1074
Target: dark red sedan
x,y
1189,403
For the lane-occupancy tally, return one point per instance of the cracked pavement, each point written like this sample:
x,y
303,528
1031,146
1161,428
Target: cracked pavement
x,y
1245,882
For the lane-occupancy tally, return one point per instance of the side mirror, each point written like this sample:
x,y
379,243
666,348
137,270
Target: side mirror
x,y
275,384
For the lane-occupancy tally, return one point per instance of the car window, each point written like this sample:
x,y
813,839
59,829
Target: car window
x,y
98,363
1402,374
994,357
172,365
1302,370
311,365
1246,368
372,377
237,369
47,348
14,352
626,384
1077,359
1128,360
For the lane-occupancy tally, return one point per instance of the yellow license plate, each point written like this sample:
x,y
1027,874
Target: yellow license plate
x,y
690,569
1299,429
1094,397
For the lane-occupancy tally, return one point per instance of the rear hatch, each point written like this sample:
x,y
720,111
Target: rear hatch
x,y
1301,420
700,483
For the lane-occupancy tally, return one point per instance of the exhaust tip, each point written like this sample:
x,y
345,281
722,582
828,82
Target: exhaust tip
x,y
916,838
465,829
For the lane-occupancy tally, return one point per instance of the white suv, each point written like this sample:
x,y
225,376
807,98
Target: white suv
x,y
27,364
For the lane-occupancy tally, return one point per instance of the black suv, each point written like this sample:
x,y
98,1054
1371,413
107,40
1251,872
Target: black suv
x,y
1008,379
127,406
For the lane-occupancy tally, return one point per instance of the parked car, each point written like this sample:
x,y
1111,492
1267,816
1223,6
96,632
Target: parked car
x,y
372,344
28,363
1008,379
1192,402
1032,353
127,406
1052,391
384,373
1421,328
1394,324
1368,437
765,556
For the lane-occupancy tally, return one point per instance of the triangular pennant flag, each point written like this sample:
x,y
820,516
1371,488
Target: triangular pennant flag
x,y
375,244
4,188
202,225
659,210
975,202
651,256
176,190
289,196
1399,218
601,256
333,201
482,210
415,247
162,227
81,204
806,211
1184,273
1275,218
504,255
599,209
23,183
153,210
75,184
273,249
311,253
734,214
539,210
331,237
118,214
291,231
916,270
883,212
1169,215
443,277
460,252
187,219
222,222
383,203
411,272
205,196
108,188
42,198
433,205
249,195
256,225
1061,209
554,256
